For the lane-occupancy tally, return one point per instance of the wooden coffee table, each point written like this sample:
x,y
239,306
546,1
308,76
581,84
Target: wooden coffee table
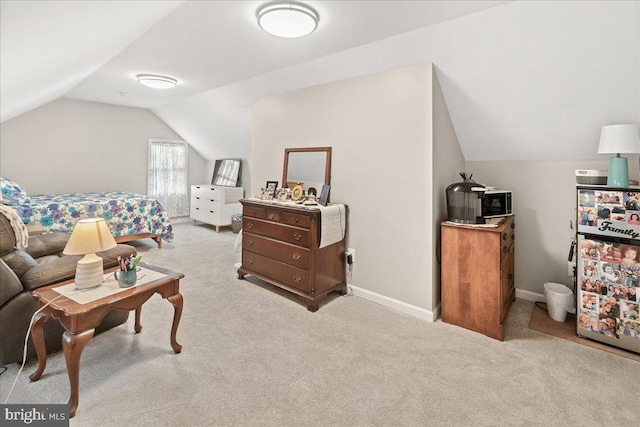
x,y
80,320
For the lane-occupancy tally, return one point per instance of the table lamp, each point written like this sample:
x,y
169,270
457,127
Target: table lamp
x,y
616,139
88,237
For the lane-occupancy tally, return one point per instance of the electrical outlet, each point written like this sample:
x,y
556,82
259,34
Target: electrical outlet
x,y
571,268
351,255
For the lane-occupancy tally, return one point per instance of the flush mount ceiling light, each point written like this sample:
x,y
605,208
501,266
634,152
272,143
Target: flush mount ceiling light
x,y
156,82
287,19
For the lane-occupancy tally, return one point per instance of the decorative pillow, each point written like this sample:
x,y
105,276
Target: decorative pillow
x,y
12,193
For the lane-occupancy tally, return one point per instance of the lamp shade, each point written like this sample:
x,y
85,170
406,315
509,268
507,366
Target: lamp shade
x,y
616,139
89,236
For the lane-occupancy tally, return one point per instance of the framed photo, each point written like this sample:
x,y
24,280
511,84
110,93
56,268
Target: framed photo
x,y
324,195
272,185
296,193
283,195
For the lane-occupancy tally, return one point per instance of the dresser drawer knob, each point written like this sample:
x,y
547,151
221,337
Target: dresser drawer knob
x,y
504,236
297,279
505,249
197,198
211,211
250,225
250,242
297,236
513,225
297,256
294,219
250,261
197,209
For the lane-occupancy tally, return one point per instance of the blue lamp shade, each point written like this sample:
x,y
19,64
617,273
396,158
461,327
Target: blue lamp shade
x,y
616,139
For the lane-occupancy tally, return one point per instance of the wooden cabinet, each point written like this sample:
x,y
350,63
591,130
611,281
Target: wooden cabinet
x,y
215,204
477,276
280,244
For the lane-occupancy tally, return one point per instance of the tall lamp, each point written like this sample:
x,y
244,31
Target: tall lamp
x,y
616,139
88,237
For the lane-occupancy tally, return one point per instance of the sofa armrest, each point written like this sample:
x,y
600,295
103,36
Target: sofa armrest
x,y
10,285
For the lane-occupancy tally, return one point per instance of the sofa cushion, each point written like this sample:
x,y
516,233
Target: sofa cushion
x,y
20,262
12,193
64,268
47,244
10,285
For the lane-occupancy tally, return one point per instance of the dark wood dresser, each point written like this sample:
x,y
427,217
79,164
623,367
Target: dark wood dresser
x,y
477,276
280,244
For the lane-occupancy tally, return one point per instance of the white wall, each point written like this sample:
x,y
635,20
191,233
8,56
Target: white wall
x,y
79,146
448,162
379,128
544,196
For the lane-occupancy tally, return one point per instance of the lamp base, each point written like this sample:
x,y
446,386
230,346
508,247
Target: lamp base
x,y
89,272
618,174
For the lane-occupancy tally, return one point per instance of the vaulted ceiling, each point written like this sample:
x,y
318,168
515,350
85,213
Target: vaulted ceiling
x,y
522,80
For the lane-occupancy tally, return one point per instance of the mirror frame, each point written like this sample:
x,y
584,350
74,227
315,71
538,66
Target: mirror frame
x,y
327,167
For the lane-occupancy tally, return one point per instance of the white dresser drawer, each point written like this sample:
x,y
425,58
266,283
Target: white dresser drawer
x,y
206,191
206,204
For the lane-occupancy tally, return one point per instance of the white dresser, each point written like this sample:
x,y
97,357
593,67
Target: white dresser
x,y
214,204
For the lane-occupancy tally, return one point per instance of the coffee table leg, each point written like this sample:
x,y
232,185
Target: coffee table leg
x,y
138,327
38,341
176,300
73,344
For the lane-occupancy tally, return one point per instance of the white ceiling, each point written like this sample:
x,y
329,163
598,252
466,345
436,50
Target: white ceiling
x,y
522,80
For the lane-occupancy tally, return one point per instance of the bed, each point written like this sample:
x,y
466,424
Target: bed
x,y
130,216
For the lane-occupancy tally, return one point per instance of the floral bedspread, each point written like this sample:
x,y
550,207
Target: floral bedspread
x,y
126,213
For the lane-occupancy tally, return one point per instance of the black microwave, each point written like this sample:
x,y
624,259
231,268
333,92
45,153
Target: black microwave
x,y
496,203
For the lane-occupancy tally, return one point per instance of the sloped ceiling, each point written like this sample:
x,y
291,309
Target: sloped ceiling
x,y
522,80
48,47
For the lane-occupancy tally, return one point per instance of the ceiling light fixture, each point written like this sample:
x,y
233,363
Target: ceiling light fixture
x,y
156,82
287,19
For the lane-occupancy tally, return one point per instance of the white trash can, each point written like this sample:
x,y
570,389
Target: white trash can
x,y
560,301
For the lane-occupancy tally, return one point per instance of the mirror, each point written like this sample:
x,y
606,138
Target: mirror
x,y
227,172
309,166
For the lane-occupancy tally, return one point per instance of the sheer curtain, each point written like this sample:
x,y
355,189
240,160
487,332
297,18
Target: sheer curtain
x,y
168,176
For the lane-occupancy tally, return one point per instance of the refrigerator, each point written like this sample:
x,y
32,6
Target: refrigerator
x,y
608,265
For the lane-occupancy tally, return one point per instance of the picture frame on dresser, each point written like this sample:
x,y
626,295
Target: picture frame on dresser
x,y
324,195
272,185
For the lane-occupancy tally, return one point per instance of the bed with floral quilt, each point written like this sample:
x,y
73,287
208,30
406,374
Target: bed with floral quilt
x,y
130,216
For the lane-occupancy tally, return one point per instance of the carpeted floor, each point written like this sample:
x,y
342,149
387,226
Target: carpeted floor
x,y
253,357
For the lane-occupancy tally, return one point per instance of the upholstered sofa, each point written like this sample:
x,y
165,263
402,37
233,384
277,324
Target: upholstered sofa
x,y
41,263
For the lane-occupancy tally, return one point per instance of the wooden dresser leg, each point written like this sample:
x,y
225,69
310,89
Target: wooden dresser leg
x,y
312,307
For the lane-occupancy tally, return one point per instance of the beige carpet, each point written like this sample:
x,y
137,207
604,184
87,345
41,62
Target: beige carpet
x,y
252,357
541,322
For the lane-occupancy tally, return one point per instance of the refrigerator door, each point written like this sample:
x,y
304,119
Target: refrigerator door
x,y
607,211
608,287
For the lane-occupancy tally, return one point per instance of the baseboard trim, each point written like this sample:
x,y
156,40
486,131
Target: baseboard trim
x,y
421,313
529,296
398,305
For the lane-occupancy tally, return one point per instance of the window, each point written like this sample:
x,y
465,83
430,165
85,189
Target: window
x,y
168,176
